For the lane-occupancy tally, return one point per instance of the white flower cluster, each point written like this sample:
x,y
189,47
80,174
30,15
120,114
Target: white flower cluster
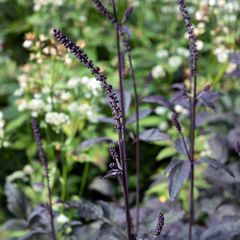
x,y
36,106
158,71
3,143
57,118
38,4
84,110
222,54
92,85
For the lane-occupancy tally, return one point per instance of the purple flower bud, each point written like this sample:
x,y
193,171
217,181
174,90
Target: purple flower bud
x,y
237,147
160,225
176,123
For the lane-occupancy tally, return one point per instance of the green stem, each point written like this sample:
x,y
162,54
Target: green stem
x,y
84,178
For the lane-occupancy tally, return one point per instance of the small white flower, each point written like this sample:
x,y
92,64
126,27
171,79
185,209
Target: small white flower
x,y
74,82
35,104
34,114
175,61
221,54
199,44
61,218
162,53
183,52
28,169
65,95
18,92
27,43
82,18
93,86
160,110
56,119
158,71
22,105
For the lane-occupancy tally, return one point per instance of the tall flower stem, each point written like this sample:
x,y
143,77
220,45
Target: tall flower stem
x,y
43,158
122,140
193,85
136,98
114,104
121,79
192,150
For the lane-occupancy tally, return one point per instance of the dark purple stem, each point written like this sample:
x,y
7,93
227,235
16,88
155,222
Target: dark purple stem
x,y
138,163
193,66
43,158
123,142
116,110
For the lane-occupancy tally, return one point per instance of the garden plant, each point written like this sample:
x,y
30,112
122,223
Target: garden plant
x,y
132,131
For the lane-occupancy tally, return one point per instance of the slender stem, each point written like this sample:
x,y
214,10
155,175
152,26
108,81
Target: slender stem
x,y
84,178
121,80
122,130
50,209
124,185
192,150
138,163
185,146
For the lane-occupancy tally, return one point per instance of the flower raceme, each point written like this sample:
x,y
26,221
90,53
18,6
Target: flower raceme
x,y
83,58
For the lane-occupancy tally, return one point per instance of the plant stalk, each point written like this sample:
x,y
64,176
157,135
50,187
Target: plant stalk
x,y
138,163
192,150
122,130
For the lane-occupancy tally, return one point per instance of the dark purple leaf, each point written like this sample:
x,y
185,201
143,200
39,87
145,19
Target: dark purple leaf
x,y
216,164
15,225
113,173
39,217
201,118
106,120
127,100
171,165
93,141
177,176
152,135
234,57
142,114
217,145
233,137
235,72
180,98
89,211
159,100
17,202
237,147
207,98
179,86
127,13
179,146
179,95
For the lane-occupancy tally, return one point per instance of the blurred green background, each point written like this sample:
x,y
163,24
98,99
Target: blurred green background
x,y
38,78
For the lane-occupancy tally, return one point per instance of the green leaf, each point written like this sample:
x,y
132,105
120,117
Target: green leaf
x,y
166,153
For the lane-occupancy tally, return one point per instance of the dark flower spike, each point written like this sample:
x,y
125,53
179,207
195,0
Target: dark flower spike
x,y
127,13
43,158
38,139
191,36
83,58
102,9
159,226
113,150
176,123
